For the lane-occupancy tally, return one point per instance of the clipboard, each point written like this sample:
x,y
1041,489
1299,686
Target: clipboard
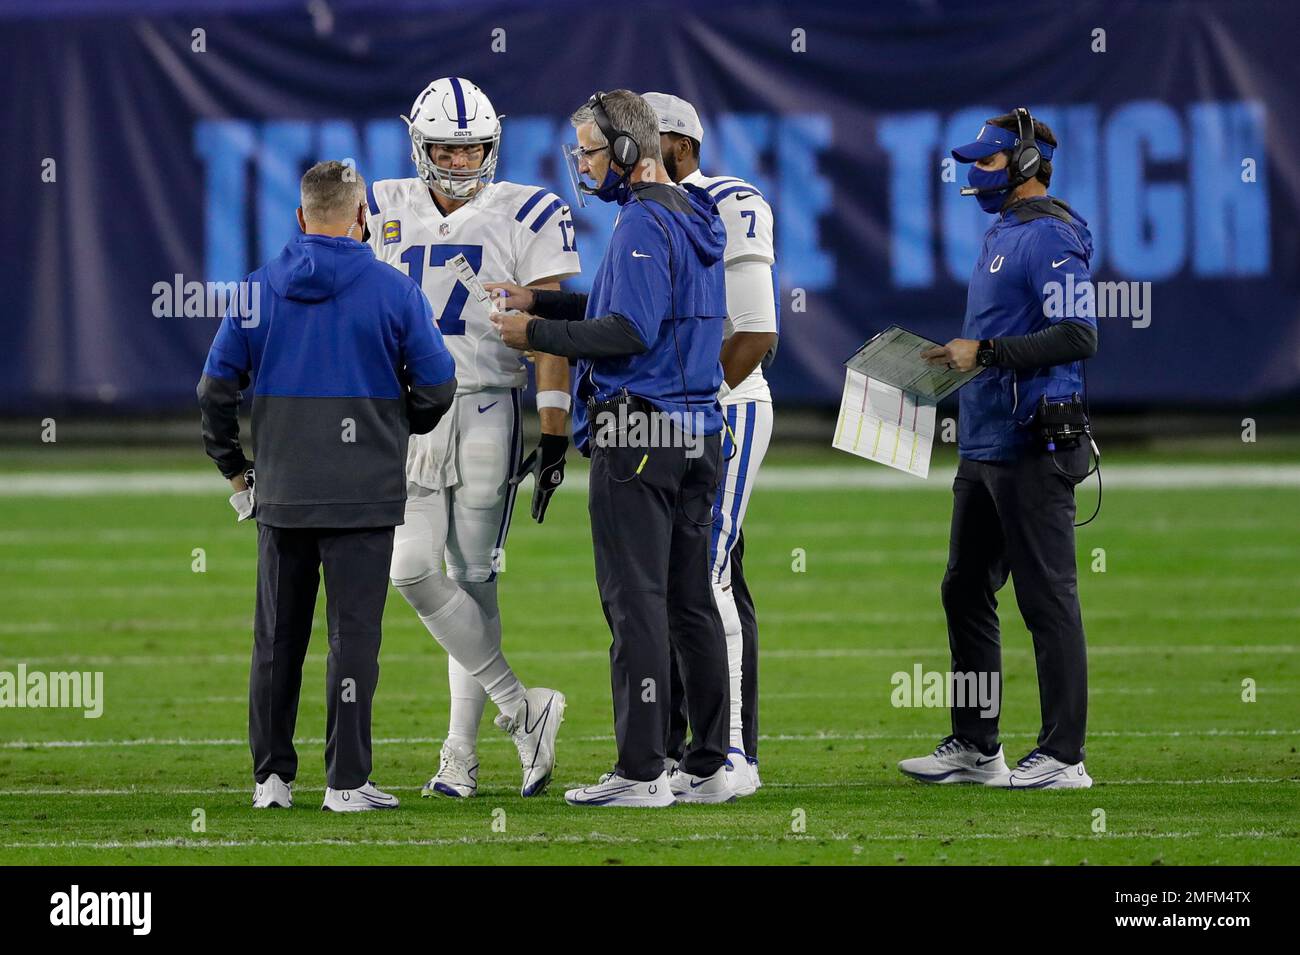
x,y
894,357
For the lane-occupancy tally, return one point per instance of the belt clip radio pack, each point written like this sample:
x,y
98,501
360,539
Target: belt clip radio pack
x,y
596,406
1061,423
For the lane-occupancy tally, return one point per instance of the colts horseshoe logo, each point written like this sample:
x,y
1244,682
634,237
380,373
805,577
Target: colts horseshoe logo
x,y
996,264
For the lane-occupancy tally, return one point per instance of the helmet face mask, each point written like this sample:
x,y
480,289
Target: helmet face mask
x,y
449,113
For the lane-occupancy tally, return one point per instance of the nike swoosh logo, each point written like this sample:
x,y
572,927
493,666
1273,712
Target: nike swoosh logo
x,y
541,720
987,759
640,255
611,792
697,785
483,408
546,711
1057,265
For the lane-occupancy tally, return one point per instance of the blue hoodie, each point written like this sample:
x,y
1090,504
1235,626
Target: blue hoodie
x,y
346,362
678,316
1037,245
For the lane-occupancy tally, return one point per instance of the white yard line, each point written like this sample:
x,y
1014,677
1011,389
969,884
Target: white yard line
x,y
836,477
501,740
242,792
807,653
599,839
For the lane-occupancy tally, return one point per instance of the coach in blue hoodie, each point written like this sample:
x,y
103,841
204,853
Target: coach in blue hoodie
x,y
346,362
1013,497
647,342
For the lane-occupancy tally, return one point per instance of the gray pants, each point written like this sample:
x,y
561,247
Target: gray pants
x,y
289,561
650,532
1017,517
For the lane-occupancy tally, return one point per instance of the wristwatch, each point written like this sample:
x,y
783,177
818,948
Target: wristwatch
x,y
984,356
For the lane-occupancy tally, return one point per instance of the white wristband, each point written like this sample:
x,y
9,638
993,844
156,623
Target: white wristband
x,y
554,399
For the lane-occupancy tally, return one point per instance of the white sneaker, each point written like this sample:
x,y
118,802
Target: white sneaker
x,y
716,788
457,775
533,729
362,799
956,761
740,775
1040,771
274,793
617,791
670,767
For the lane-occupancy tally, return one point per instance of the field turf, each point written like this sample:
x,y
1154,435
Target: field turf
x,y
1201,591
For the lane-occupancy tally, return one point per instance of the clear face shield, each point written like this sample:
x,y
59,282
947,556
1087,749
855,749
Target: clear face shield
x,y
575,156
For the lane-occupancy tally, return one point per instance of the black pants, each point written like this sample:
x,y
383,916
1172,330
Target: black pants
x,y
650,532
1017,517
748,662
356,585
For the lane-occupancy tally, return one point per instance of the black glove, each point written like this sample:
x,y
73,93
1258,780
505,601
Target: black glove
x,y
546,465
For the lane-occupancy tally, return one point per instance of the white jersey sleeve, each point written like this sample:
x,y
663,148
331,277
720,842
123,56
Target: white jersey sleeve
x,y
751,299
748,220
545,240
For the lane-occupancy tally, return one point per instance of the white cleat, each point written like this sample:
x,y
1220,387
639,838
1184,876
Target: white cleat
x,y
533,729
1041,771
362,799
617,791
457,775
702,789
753,772
275,793
740,773
956,761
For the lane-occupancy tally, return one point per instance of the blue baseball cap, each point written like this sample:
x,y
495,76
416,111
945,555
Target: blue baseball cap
x,y
994,139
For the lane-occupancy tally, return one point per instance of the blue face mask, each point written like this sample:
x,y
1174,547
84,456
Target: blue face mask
x,y
990,202
614,188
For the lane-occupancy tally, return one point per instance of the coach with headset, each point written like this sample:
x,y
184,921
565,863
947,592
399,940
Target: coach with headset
x,y
646,340
1023,442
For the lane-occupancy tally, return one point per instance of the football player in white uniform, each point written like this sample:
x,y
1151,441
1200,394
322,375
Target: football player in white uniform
x,y
462,476
753,321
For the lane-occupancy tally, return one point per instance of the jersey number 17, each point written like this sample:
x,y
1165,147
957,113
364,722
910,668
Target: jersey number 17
x,y
450,321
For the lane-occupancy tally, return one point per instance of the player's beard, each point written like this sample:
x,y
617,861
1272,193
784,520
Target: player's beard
x,y
670,165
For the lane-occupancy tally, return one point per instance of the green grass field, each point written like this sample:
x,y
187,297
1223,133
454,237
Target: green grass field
x,y
1201,591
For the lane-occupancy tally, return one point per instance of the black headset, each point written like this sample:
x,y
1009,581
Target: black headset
x,y
623,147
1026,157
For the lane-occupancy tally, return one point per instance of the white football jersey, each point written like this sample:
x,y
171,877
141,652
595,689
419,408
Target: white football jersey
x,y
507,232
747,218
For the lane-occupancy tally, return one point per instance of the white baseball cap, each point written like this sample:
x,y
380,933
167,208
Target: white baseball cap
x,y
676,115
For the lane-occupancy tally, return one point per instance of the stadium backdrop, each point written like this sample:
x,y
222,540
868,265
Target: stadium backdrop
x,y
175,162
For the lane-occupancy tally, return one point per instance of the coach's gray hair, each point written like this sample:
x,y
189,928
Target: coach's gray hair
x,y
629,112
331,192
